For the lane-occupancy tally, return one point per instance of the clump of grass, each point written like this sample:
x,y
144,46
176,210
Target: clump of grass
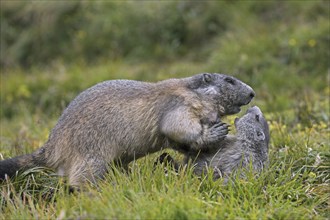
x,y
147,193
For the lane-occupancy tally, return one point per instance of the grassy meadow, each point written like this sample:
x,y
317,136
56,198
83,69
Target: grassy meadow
x,y
50,52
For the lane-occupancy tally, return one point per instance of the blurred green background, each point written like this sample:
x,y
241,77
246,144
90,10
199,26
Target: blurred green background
x,y
52,50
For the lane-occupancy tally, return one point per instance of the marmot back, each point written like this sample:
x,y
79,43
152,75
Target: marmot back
x,y
122,120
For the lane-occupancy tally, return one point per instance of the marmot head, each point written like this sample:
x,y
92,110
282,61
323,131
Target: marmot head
x,y
253,127
228,93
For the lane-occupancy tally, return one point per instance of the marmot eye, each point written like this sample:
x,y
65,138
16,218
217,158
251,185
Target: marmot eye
x,y
257,117
230,80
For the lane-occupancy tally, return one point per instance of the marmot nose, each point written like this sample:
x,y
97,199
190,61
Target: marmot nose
x,y
252,94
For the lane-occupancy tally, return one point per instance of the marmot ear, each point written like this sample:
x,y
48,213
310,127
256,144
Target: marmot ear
x,y
207,78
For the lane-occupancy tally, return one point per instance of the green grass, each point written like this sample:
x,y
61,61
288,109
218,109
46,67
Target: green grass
x,y
283,54
296,186
285,191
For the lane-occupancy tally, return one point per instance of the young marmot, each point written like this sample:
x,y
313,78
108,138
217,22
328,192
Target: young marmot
x,y
249,147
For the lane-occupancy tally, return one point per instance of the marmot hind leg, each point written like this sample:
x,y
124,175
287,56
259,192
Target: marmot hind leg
x,y
87,172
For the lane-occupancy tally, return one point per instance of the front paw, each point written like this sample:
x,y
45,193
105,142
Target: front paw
x,y
216,132
164,158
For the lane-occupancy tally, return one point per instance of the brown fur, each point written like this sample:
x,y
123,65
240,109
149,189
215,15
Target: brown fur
x,y
122,120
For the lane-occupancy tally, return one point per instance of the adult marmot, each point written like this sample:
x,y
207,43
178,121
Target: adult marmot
x,y
123,120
